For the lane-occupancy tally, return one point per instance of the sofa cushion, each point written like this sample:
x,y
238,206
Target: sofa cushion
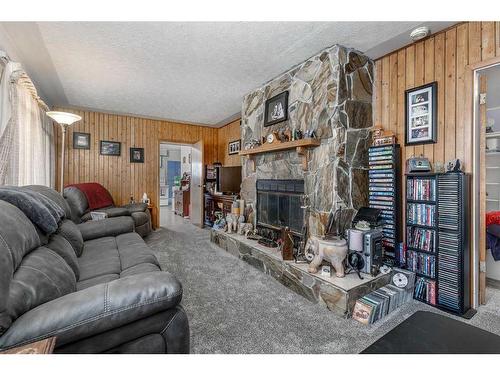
x,y
72,234
139,268
99,257
41,277
61,246
77,202
112,226
96,280
114,211
133,251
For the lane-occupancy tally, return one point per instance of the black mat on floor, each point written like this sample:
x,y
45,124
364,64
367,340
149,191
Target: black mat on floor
x,y
429,333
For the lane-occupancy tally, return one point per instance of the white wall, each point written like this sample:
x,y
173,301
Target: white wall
x,y
185,163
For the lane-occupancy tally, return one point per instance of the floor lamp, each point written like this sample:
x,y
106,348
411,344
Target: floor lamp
x,y
64,119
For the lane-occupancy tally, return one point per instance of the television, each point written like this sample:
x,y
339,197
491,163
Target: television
x,y
228,180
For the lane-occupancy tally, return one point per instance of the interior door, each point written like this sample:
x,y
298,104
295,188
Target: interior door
x,y
196,204
483,121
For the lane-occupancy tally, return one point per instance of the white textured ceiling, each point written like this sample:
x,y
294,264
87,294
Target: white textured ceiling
x,y
194,72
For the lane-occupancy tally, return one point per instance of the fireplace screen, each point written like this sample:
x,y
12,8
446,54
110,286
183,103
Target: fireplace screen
x,y
279,204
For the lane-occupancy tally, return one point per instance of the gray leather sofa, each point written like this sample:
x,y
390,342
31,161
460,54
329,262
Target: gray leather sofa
x,y
80,210
98,289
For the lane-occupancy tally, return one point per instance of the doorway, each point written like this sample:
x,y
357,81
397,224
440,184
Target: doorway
x,y
488,118
180,182
174,178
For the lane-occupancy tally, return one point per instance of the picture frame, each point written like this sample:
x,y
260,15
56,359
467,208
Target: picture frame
x,y
110,148
421,115
81,141
234,147
136,155
276,109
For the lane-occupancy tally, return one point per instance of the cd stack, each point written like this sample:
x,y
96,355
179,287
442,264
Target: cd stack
x,y
453,257
385,173
381,302
421,234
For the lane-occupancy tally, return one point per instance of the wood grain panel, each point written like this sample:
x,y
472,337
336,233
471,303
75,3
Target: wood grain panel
x,y
122,178
230,132
443,57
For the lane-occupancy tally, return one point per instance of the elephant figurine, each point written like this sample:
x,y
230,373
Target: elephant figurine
x,y
333,251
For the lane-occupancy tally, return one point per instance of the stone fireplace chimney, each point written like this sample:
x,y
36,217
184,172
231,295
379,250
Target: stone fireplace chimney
x,y
330,93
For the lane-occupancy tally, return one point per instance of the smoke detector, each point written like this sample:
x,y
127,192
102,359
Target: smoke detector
x,y
419,33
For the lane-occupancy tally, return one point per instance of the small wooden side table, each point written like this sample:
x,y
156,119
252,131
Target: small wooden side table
x,y
151,209
45,346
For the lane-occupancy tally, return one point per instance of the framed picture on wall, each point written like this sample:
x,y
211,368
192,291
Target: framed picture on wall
x,y
234,147
81,140
136,155
276,109
421,115
110,148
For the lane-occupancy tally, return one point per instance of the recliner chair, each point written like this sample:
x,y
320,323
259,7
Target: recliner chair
x,y
80,211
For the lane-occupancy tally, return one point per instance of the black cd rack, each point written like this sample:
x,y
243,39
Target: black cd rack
x,y
385,194
437,239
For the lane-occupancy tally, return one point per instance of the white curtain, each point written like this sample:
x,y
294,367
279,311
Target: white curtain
x,y
27,154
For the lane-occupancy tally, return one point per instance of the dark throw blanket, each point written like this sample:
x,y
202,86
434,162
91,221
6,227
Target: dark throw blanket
x,y
39,209
96,194
493,240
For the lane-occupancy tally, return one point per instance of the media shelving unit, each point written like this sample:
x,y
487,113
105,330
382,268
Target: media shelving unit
x,y
447,206
385,194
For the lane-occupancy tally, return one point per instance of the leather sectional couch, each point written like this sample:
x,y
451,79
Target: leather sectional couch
x,y
80,209
97,288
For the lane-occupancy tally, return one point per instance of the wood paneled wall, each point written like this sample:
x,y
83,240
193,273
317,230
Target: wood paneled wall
x,y
228,133
122,178
444,58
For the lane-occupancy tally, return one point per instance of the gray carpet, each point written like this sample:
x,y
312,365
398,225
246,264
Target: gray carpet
x,y
234,308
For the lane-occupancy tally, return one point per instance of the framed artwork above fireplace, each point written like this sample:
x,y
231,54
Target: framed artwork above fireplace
x,y
276,109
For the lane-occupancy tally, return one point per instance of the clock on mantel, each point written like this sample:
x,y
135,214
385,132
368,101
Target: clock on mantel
x,y
273,145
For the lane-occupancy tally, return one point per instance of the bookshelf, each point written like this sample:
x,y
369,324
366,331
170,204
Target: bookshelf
x,y
437,241
385,195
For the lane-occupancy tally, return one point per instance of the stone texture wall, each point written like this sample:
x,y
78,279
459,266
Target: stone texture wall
x,y
331,93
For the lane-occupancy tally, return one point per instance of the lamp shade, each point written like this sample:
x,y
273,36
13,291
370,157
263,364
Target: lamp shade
x,y
64,118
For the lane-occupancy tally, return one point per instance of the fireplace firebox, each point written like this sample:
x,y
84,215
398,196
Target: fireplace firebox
x,y
280,204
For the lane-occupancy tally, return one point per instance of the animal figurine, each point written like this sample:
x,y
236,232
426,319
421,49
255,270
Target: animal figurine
x,y
232,223
333,251
245,228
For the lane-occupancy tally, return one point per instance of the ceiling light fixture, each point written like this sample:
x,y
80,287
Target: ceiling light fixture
x,y
419,33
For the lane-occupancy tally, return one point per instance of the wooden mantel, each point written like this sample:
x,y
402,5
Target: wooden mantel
x,y
300,145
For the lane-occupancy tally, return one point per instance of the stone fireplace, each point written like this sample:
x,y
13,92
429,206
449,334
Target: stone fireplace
x,y
330,93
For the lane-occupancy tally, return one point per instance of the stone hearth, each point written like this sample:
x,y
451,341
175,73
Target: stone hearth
x,y
330,93
338,294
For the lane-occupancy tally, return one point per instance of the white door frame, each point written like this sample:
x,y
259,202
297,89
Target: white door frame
x,y
476,181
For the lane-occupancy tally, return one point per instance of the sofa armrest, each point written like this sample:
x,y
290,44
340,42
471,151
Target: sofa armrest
x,y
136,207
97,309
112,226
114,211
